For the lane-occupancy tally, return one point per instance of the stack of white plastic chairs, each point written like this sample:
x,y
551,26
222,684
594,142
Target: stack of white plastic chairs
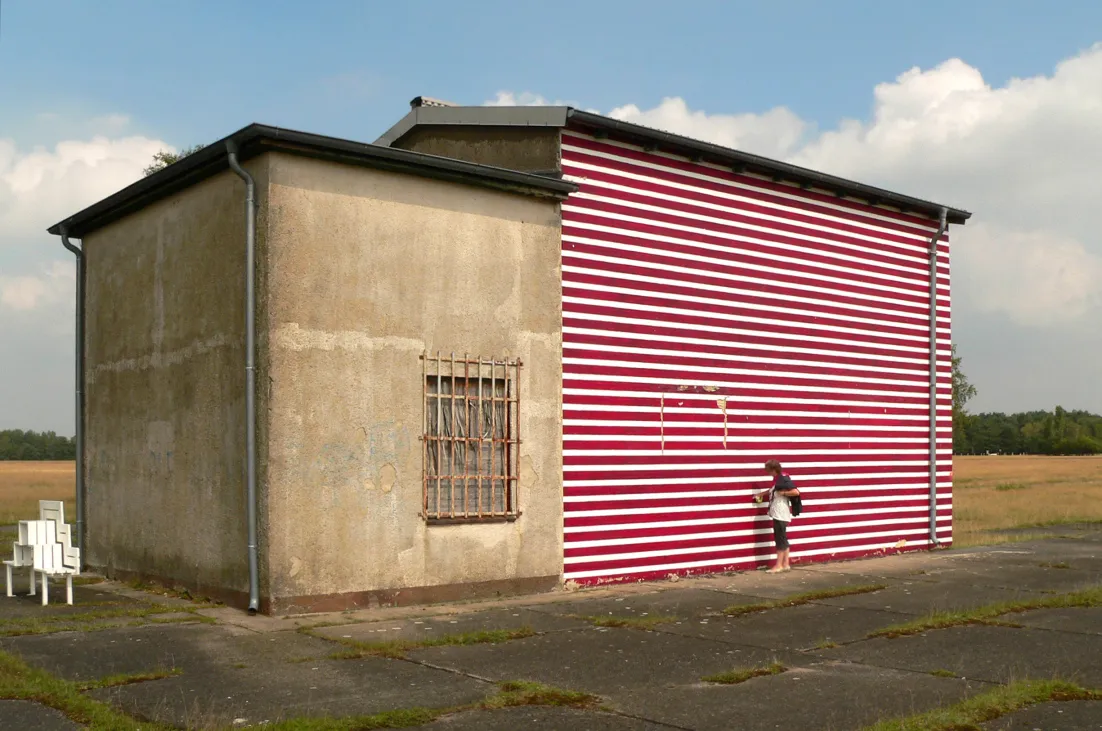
x,y
45,546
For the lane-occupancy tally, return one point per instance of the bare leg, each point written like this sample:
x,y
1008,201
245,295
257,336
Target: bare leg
x,y
45,590
8,582
778,566
782,559
68,588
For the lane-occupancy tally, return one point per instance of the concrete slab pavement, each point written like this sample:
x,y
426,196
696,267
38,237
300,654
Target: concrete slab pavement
x,y
30,716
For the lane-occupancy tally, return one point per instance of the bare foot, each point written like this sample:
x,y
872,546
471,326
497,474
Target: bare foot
x,y
774,570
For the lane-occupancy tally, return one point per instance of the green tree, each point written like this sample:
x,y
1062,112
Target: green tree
x,y
963,392
164,158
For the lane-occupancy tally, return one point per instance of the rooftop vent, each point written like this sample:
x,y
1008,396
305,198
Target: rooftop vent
x,y
428,101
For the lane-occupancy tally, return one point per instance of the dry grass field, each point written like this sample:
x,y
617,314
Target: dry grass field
x,y
23,484
999,493
991,494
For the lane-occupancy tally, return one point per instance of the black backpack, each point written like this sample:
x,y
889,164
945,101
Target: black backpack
x,y
795,504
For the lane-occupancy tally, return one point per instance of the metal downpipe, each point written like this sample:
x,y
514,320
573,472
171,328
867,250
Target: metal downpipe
x,y
79,367
942,225
250,369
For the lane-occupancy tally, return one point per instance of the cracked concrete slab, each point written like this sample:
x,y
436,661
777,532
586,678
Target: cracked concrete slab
x,y
682,603
991,654
30,716
541,718
812,696
922,597
1086,620
607,662
450,624
792,628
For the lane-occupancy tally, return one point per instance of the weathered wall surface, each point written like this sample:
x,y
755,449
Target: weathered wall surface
x,y
165,388
532,149
369,269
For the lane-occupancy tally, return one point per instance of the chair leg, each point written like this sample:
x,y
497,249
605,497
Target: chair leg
x,y
45,589
7,577
33,579
68,588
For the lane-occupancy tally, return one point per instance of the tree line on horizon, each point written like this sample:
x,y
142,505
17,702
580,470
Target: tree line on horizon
x,y
19,445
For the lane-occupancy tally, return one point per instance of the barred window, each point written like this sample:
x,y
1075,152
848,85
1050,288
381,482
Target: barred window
x,y
471,438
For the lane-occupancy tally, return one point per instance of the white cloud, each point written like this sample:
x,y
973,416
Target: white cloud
x,y
1024,157
55,284
40,186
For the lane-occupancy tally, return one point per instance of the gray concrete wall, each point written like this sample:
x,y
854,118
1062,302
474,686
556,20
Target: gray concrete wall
x,y
531,149
368,269
164,389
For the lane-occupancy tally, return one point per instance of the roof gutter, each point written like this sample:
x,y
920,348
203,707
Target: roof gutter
x,y
250,369
79,368
942,225
766,166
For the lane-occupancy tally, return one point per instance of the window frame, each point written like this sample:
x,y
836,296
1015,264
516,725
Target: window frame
x,y
503,374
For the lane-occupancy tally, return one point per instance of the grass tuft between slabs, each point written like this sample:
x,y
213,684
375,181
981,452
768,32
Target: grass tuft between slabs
x,y
795,600
969,714
628,622
733,677
510,694
108,617
990,614
397,649
19,681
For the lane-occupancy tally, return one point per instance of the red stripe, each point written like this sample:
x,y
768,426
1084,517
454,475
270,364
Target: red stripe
x,y
856,211
836,240
866,349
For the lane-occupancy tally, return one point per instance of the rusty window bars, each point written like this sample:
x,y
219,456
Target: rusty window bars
x,y
470,438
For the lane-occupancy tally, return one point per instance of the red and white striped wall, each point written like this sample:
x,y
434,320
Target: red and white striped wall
x,y
712,321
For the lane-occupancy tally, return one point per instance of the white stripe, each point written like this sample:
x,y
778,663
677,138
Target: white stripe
x,y
669,452
696,328
829,301
688,523
605,192
813,506
716,434
696,467
570,209
749,372
867,214
733,561
710,398
610,302
634,541
632,555
849,479
915,248
712,426
571,330
779,273
907,491
588,287
916,400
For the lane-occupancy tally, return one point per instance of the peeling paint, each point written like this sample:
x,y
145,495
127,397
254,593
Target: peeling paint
x,y
291,336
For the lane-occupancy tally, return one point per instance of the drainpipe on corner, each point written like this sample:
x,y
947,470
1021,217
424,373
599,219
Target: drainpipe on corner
x,y
79,367
942,225
250,369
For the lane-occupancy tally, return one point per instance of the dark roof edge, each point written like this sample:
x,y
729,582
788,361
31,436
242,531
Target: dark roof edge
x,y
559,116
768,165
257,139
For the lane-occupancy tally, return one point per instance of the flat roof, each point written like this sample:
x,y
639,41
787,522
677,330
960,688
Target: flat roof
x,y
257,139
562,116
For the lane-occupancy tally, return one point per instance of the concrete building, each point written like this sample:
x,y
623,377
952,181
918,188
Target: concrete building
x,y
367,259
721,309
500,349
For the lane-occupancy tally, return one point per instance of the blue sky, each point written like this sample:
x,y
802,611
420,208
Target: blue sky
x,y
990,106
195,71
